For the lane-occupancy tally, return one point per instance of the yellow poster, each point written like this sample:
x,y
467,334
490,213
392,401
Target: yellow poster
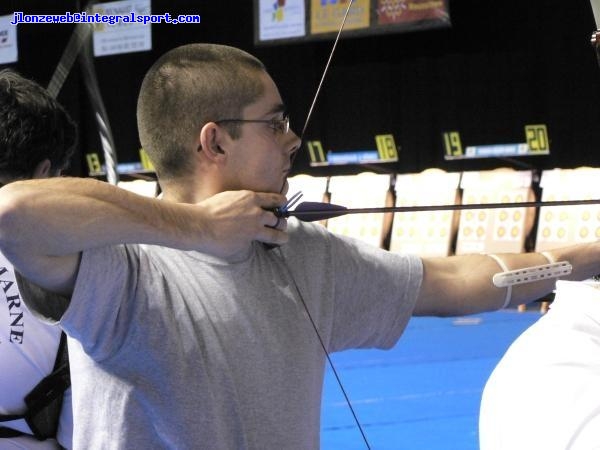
x,y
326,16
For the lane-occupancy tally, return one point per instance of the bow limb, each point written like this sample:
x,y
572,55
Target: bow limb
x,y
596,34
80,44
596,10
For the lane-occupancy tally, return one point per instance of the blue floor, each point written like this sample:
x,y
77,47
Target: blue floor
x,y
424,393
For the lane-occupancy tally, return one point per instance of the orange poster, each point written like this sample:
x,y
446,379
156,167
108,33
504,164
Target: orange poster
x,y
406,11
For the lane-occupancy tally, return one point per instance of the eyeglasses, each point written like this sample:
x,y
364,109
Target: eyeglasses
x,y
279,125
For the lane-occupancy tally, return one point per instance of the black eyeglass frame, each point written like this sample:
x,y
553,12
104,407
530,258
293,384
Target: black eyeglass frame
x,y
280,125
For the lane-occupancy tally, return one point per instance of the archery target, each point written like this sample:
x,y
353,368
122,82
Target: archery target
x,y
360,191
494,230
425,233
560,226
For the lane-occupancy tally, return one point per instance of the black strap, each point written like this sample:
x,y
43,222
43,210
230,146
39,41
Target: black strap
x,y
62,355
9,433
9,417
44,401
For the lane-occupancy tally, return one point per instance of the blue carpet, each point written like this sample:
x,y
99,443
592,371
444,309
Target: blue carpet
x,y
424,393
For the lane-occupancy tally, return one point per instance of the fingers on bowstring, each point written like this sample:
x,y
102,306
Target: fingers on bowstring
x,y
281,224
272,235
273,230
273,221
269,200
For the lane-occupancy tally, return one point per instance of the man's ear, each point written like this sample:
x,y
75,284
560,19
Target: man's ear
x,y
211,139
43,169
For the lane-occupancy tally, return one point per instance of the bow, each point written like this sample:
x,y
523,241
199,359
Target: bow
x,y
80,44
316,211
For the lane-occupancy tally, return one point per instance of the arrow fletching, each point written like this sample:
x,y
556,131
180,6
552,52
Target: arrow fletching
x,y
315,211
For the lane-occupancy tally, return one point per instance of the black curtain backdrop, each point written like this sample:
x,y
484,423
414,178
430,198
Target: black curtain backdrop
x,y
501,66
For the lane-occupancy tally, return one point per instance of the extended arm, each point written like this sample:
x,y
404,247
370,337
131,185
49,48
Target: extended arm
x,y
45,224
463,284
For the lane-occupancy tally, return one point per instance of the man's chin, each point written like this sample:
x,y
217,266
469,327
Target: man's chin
x,y
285,187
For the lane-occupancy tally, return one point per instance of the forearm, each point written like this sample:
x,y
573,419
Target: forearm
x,y
64,216
463,284
584,258
56,217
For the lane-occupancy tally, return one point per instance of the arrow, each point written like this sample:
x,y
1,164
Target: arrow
x,y
315,211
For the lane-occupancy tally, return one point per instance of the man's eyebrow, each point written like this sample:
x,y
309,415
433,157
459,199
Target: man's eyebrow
x,y
280,107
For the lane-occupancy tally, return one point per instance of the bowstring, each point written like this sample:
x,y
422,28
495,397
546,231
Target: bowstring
x,y
320,85
324,347
297,289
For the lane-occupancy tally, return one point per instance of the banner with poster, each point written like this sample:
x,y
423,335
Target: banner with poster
x,y
279,19
410,11
8,40
282,21
122,37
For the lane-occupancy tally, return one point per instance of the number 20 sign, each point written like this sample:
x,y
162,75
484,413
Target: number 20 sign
x,y
537,139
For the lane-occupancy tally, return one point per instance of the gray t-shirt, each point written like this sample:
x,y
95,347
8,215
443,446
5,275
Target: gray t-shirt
x,y
175,349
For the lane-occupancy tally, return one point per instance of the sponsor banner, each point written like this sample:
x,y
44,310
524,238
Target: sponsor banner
x,y
122,37
410,11
281,19
327,15
8,40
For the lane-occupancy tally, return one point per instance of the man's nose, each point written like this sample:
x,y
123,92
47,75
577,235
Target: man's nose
x,y
294,142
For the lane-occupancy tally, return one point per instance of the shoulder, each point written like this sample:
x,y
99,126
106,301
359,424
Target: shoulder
x,y
308,236
317,239
298,228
